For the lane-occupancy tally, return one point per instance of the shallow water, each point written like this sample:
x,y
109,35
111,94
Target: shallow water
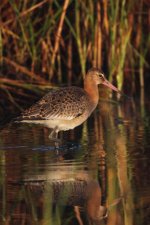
x,y
99,173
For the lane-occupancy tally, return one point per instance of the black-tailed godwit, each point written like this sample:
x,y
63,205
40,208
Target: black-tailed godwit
x,y
67,107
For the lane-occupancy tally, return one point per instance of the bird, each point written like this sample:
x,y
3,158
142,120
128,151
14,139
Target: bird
x,y
67,107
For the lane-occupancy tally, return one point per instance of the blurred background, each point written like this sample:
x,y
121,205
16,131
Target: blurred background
x,y
99,175
49,42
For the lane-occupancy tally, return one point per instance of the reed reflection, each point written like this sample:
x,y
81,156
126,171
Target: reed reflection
x,y
94,180
48,194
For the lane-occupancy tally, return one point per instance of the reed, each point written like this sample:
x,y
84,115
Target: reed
x,y
50,37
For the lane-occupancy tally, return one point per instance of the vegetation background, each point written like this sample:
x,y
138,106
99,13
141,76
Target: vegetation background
x,y
44,43
47,42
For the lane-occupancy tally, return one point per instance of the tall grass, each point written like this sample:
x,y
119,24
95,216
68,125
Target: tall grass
x,y
59,39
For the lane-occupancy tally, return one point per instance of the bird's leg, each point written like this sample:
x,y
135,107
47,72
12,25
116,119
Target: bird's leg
x,y
54,137
54,134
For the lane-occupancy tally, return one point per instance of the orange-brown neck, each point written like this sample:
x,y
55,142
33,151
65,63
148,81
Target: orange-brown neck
x,y
92,89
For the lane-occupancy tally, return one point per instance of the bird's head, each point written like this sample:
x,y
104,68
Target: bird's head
x,y
96,76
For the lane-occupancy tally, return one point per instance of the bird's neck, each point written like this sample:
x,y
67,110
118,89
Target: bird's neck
x,y
92,90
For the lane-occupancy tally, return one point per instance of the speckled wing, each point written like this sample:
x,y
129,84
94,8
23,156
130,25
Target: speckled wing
x,y
63,103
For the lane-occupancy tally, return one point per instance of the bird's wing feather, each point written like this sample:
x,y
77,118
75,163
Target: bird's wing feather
x,y
63,103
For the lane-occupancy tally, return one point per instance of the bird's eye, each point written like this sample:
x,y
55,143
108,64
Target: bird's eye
x,y
101,75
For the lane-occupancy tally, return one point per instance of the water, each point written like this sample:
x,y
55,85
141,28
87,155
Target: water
x,y
99,174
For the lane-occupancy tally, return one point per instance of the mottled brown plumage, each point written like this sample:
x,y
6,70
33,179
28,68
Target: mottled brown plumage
x,y
63,103
68,107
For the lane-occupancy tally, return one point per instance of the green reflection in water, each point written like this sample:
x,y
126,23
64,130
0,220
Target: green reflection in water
x,y
101,178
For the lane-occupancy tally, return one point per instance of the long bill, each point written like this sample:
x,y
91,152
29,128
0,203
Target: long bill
x,y
111,86
108,84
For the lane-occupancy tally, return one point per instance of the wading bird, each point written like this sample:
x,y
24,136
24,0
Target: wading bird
x,y
67,107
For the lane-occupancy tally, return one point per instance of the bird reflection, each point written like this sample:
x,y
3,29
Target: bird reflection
x,y
70,186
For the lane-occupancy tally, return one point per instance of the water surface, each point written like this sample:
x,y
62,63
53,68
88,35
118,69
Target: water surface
x,y
99,174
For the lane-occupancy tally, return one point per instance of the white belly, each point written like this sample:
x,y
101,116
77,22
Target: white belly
x,y
60,124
